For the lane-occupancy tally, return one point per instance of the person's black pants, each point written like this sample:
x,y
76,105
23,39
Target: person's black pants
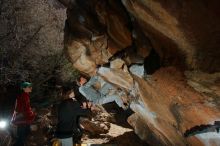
x,y
22,134
77,135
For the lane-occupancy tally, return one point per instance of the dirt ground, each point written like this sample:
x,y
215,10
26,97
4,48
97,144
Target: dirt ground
x,y
117,135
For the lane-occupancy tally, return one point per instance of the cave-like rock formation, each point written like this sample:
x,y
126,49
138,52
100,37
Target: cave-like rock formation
x,y
31,45
177,41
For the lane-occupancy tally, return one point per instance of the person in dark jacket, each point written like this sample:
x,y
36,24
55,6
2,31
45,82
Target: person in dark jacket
x,y
69,111
23,115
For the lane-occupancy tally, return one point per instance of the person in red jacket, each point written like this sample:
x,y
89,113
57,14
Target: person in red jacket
x,y
23,115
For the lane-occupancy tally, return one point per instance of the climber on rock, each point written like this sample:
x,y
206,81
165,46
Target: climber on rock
x,y
101,92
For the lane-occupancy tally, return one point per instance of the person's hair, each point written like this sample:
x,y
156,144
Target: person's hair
x,y
68,88
79,77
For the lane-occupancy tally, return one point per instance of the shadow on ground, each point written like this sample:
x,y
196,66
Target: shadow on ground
x,y
127,139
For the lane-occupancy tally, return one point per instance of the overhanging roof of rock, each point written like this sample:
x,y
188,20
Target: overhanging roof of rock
x,y
183,33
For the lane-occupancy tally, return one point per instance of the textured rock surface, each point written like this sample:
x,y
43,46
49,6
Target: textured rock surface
x,y
31,30
169,106
176,106
94,35
189,28
184,34
181,37
31,45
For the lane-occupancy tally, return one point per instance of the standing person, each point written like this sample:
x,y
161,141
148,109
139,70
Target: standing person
x,y
69,111
23,115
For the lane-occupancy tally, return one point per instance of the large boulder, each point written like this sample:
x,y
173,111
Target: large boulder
x,y
168,37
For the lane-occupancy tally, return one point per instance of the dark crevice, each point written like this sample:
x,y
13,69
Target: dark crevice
x,y
199,129
128,139
152,62
119,54
120,115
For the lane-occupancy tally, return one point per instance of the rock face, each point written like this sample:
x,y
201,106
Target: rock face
x,y
190,30
30,33
174,107
95,31
190,26
168,38
31,46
